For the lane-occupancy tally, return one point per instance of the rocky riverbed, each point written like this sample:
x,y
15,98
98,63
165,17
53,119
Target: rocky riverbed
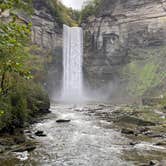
x,y
90,134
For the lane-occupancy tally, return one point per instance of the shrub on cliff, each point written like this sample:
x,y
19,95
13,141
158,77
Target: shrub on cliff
x,y
62,14
23,102
90,8
146,77
37,99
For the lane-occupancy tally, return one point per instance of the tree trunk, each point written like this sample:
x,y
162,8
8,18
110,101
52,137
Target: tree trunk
x,y
3,82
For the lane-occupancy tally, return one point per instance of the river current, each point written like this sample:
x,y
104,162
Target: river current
x,y
87,140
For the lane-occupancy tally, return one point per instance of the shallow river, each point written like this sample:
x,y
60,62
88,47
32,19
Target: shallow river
x,y
85,141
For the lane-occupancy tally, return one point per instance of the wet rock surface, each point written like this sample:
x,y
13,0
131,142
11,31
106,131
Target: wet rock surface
x,y
127,131
26,147
154,163
40,133
63,120
144,126
161,143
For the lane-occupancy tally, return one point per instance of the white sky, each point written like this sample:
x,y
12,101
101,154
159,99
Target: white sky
x,y
75,4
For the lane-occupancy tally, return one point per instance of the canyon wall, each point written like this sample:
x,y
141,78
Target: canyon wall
x,y
47,34
124,47
124,39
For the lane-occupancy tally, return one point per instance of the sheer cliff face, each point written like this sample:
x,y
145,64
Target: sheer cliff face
x,y
46,31
121,27
47,34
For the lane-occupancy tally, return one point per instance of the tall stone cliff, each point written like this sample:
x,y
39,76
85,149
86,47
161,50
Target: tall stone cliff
x,y
122,34
47,34
46,31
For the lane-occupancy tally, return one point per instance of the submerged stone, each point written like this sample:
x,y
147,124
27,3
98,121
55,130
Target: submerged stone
x,y
154,135
127,131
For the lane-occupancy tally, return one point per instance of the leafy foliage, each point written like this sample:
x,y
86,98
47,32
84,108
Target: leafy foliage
x,y
20,96
16,4
25,101
70,16
13,37
90,8
62,14
6,4
144,75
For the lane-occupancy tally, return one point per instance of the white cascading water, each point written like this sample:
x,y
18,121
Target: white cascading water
x,y
72,63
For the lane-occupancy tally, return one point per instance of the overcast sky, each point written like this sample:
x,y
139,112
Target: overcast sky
x,y
75,4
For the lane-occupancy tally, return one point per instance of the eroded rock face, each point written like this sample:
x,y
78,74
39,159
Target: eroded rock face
x,y
47,34
120,27
46,31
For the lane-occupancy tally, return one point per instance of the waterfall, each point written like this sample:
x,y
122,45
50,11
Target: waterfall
x,y
72,63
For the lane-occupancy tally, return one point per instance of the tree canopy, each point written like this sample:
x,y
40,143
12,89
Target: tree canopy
x,y
90,8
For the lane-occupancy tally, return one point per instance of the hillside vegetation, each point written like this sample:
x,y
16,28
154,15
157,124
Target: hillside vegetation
x,y
69,16
62,14
90,8
21,96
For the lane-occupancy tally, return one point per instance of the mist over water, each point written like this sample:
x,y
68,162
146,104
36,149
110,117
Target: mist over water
x,y
72,90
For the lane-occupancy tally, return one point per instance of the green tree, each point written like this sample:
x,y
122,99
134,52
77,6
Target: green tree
x,y
89,9
20,99
12,53
16,4
13,39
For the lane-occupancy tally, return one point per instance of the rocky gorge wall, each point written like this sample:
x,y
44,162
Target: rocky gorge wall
x,y
125,46
47,34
